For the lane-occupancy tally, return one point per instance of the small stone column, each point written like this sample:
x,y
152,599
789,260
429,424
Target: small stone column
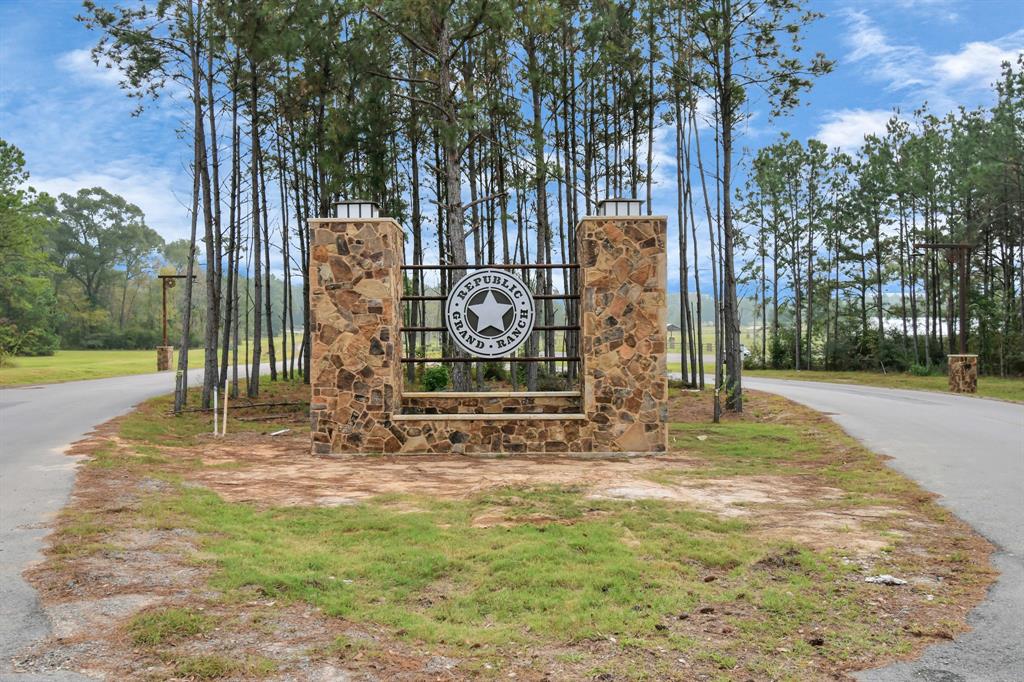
x,y
963,373
623,332
164,358
355,313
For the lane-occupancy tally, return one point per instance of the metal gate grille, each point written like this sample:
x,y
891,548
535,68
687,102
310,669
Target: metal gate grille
x,y
568,360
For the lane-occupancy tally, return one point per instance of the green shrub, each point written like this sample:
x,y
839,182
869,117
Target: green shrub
x,y
494,371
551,382
435,378
33,342
920,371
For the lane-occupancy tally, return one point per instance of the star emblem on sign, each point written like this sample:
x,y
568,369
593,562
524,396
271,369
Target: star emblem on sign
x,y
489,313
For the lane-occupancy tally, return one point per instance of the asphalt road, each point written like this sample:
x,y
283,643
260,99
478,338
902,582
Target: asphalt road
x,y
971,452
37,423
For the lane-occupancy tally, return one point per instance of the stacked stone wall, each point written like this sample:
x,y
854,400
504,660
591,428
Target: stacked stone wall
x,y
164,358
623,336
355,288
963,373
486,403
357,403
536,434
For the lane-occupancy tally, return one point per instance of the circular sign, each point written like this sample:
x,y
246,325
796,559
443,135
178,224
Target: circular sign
x,y
489,313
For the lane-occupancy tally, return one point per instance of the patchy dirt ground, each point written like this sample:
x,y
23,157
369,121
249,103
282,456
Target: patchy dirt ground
x,y
103,569
280,472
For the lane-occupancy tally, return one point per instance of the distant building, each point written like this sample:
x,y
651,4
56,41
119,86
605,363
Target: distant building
x,y
672,328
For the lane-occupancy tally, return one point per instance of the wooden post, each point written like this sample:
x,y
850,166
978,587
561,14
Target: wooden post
x,y
963,254
164,283
165,352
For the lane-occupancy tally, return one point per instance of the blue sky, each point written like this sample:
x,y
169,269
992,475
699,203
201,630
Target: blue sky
x,y
77,130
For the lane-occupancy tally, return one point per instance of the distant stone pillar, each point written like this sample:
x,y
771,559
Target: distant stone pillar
x,y
623,332
164,358
355,313
963,373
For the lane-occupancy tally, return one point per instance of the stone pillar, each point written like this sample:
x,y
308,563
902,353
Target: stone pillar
x,y
963,373
164,358
355,312
623,332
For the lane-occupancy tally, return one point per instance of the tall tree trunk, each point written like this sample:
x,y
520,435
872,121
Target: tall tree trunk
x,y
652,106
230,307
698,356
730,309
271,354
684,302
218,235
199,159
212,299
253,388
417,232
540,187
452,174
712,250
285,237
878,286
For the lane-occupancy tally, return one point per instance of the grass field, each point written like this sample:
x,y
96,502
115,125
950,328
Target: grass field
x,y
74,365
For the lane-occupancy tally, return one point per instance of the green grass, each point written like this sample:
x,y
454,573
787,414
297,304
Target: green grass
x,y
167,625
205,667
151,425
573,572
591,569
212,667
75,365
988,387
789,447
617,569
82,535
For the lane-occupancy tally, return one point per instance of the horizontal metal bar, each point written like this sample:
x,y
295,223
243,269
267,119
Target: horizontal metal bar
x,y
490,417
497,266
553,358
538,328
538,297
491,394
940,245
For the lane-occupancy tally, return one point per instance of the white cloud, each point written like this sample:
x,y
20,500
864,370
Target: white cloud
x,y
978,62
945,80
896,65
80,65
847,128
865,38
151,189
663,157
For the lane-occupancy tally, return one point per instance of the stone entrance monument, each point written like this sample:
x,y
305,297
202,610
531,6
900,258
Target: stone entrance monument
x,y
963,373
359,403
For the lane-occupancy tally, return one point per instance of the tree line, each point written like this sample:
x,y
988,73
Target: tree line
x,y
487,127
839,253
81,271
